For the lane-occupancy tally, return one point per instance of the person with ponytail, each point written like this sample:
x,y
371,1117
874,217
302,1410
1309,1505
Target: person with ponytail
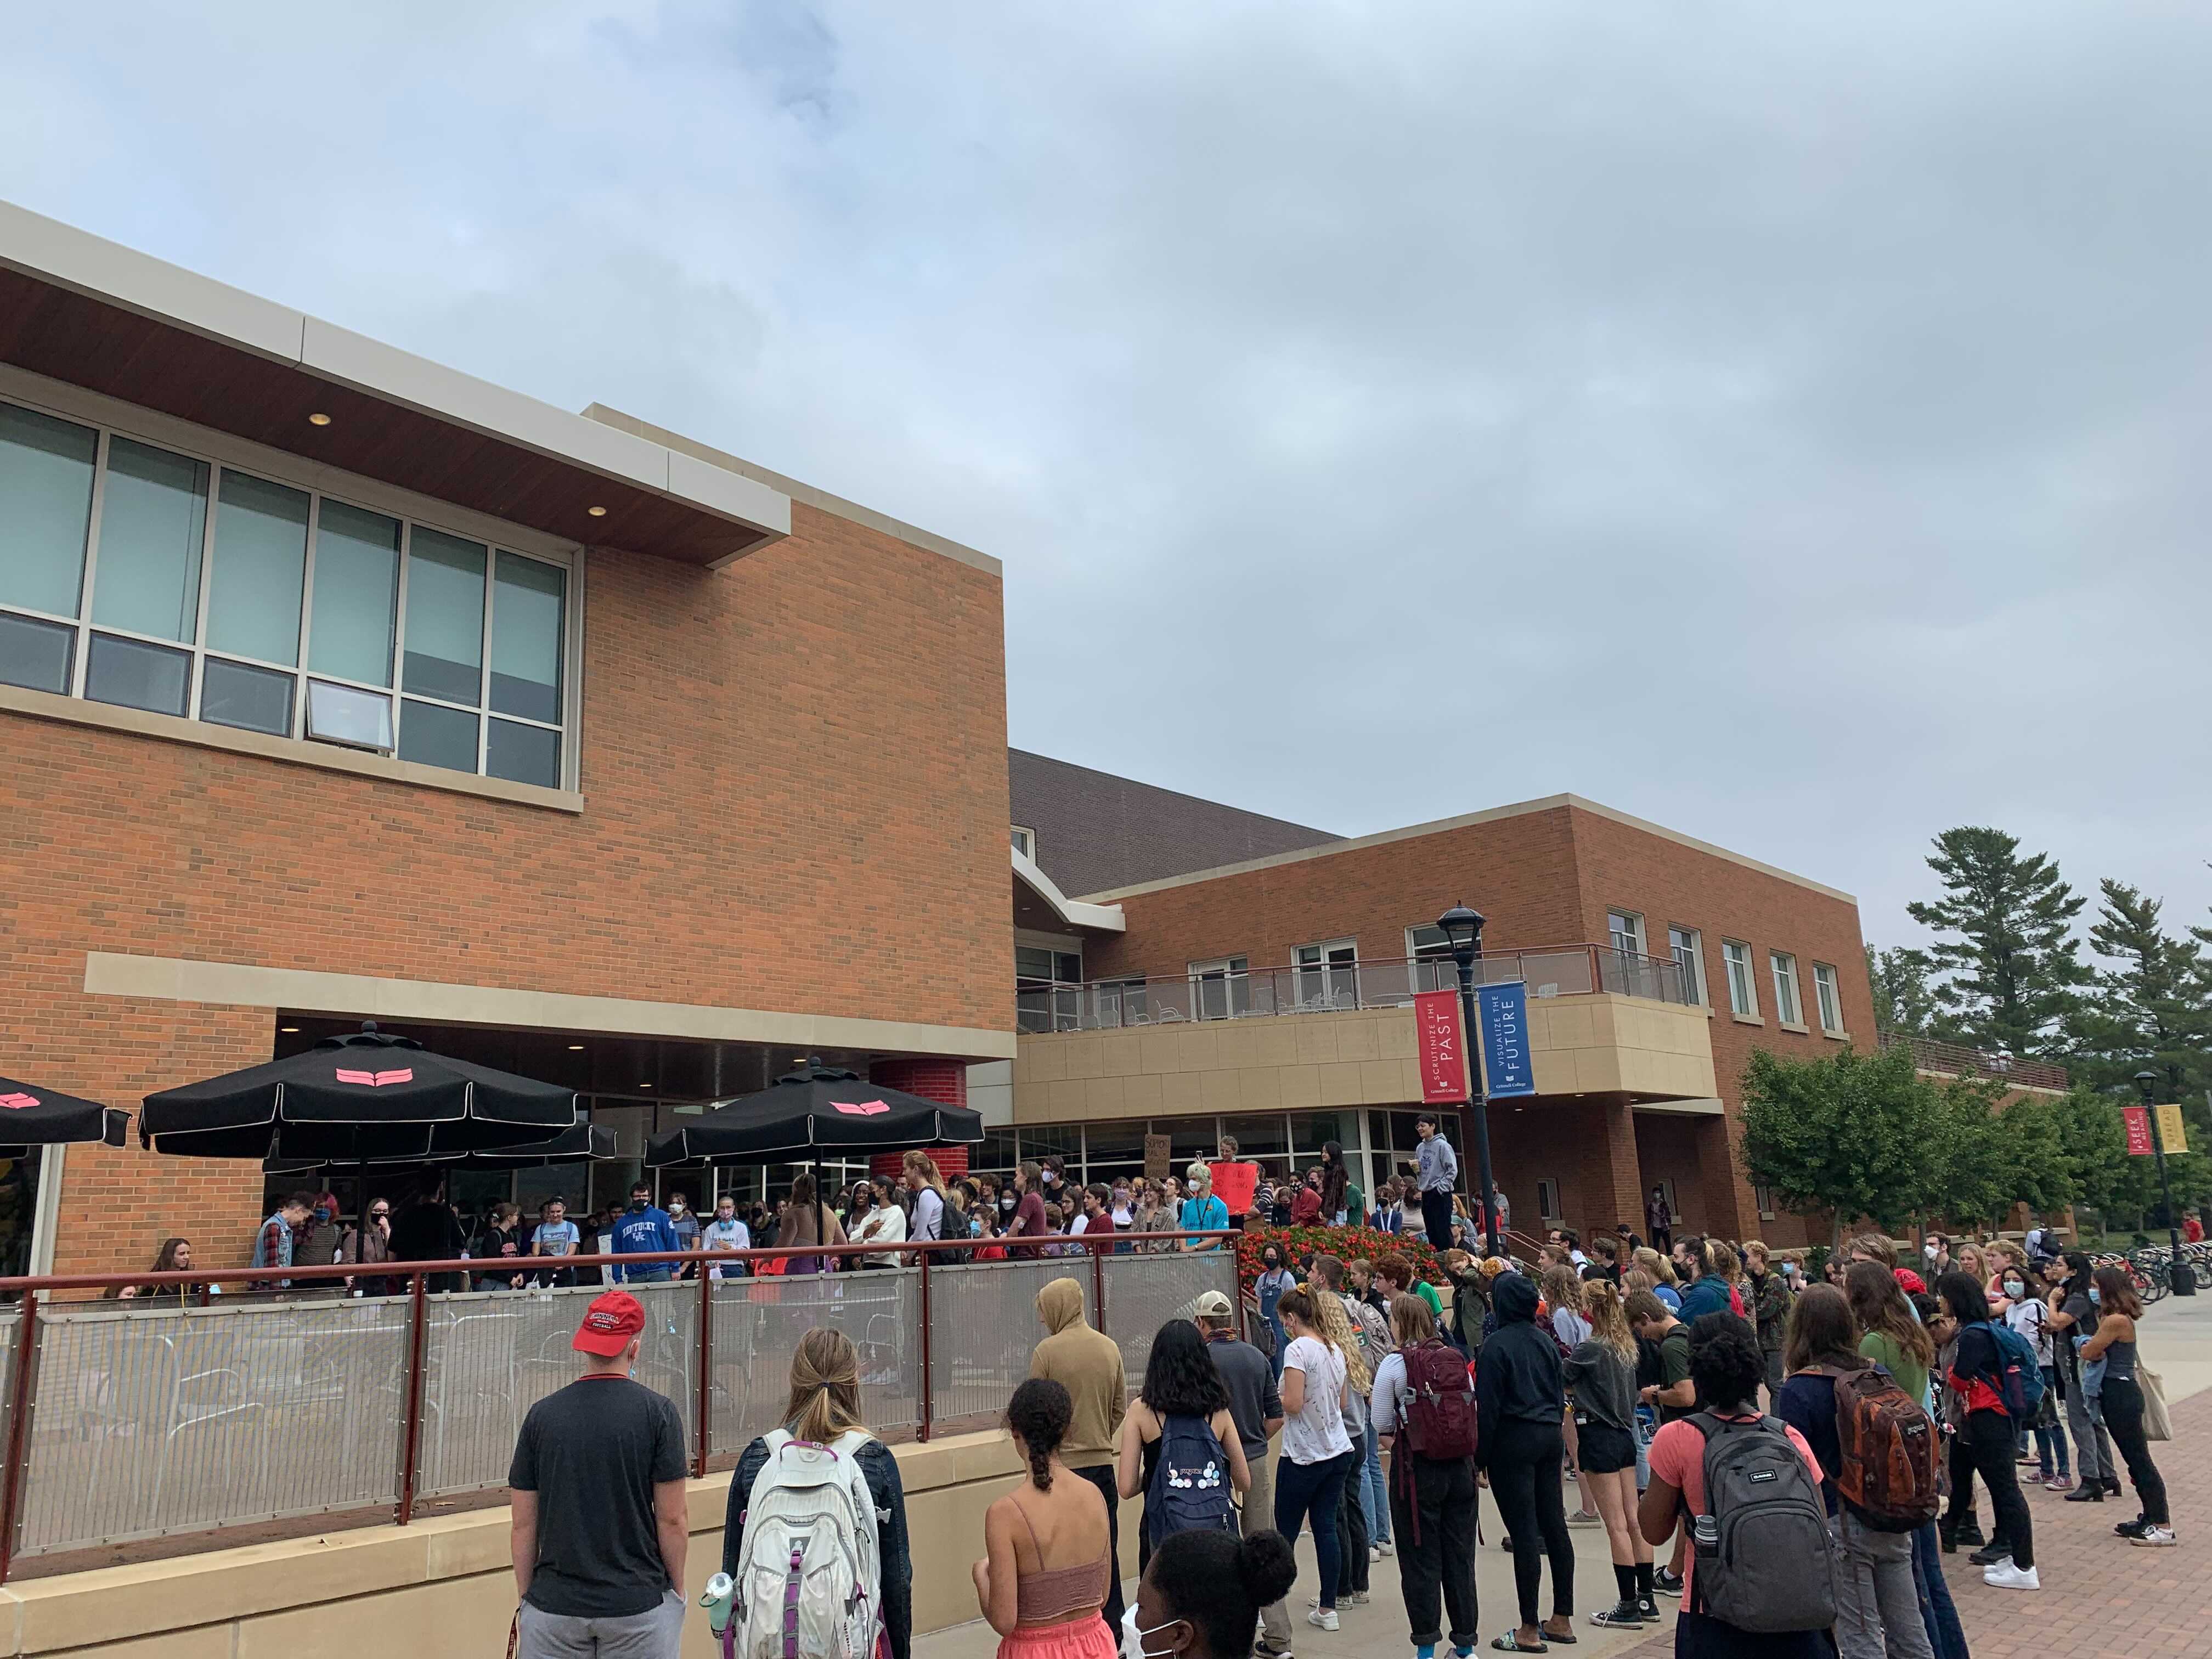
x,y
824,1404
1042,1583
1202,1592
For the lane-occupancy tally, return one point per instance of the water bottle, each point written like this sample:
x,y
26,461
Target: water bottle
x,y
1705,1530
719,1601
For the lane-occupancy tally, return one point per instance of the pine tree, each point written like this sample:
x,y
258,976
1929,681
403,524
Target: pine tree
x,y
2006,954
1904,1003
2150,1009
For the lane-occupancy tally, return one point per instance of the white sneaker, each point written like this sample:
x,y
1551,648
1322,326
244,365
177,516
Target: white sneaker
x,y
1384,1548
2007,1576
2153,1537
1323,1618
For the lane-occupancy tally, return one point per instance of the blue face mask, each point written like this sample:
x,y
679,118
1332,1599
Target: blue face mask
x,y
2096,1296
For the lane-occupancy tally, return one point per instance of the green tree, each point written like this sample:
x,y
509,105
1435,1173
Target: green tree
x,y
2150,1008
2005,962
1848,1133
2093,1139
1904,1002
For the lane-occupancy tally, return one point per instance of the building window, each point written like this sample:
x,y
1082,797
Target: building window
x,y
1686,945
1627,928
1743,989
1829,994
1024,841
1036,966
1222,988
1548,1208
133,575
1786,1008
1328,976
1763,1197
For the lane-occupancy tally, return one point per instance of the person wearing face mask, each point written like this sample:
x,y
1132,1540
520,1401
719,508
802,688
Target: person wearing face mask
x,y
725,1233
683,1222
1201,1594
2029,1315
2072,1304
640,1229
1274,1279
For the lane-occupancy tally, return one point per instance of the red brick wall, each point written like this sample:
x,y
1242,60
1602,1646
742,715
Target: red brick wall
x,y
795,769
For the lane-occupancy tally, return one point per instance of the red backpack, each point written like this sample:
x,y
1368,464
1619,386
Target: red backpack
x,y
1888,1451
1439,1407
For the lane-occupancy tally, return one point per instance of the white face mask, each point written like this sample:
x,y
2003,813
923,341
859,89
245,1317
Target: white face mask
x,y
2014,1289
1132,1639
1927,1250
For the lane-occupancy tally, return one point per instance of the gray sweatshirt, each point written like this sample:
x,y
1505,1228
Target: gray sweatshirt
x,y
1604,1385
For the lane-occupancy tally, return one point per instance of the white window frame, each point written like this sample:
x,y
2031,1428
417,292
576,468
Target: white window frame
x,y
1693,970
1317,974
1748,989
222,453
1634,932
1024,841
1550,1207
1828,998
1233,973
1788,1004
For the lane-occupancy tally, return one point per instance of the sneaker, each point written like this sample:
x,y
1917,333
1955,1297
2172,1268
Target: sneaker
x,y
1647,1609
2005,1576
1665,1583
1583,1518
1990,1554
1261,1650
2133,1529
1382,1549
2155,1537
1354,1598
2059,1483
1970,1533
1323,1618
1621,1614
2025,1458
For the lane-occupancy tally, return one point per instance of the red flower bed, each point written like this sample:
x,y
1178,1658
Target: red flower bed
x,y
1349,1243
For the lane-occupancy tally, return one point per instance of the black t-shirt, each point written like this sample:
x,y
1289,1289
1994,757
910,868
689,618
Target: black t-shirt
x,y
1673,1366
593,1453
428,1231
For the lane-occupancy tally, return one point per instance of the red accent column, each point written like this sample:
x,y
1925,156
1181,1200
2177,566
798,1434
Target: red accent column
x,y
945,1081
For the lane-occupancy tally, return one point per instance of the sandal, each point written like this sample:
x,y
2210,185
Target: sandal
x,y
1505,1643
1564,1641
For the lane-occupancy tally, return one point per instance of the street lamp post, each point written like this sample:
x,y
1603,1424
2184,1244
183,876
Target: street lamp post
x,y
1462,930
2183,1279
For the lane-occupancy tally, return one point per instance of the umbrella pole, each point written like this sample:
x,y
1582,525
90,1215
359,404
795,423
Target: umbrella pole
x,y
821,1214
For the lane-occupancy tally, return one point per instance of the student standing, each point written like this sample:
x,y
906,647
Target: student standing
x,y
599,1520
1985,1435
1671,1396
1201,1593
2114,1342
1088,1364
1439,1167
1433,1501
1257,1408
1049,1560
723,1234
1520,1397
1317,1455
1274,1279
2073,1317
1602,1374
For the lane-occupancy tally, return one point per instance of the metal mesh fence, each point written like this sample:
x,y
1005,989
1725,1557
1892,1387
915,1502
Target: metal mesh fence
x,y
758,1323
488,1357
182,1418
983,1323
1144,1292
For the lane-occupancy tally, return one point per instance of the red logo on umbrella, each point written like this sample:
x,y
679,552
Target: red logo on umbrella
x,y
863,1108
375,1080
17,1102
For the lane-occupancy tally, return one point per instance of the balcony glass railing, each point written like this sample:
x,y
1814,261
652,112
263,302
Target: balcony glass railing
x,y
1168,1000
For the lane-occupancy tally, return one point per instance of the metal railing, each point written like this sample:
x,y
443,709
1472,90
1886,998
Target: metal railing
x,y
195,1411
1168,1000
1954,1060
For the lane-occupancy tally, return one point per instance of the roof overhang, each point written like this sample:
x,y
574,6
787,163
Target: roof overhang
x,y
78,308
1038,902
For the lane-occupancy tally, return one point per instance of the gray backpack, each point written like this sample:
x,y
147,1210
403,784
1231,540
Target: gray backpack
x,y
1763,1555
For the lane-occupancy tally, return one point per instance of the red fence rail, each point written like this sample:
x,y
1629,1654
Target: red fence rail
x,y
38,1301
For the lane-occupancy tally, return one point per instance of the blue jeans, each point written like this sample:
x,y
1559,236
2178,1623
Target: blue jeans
x,y
1937,1610
1374,1490
1314,1490
654,1275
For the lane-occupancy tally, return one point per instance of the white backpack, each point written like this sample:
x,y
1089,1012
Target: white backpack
x,y
810,1584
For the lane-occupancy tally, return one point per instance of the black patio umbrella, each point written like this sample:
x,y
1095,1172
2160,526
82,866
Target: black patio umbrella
x,y
365,1098
815,1109
584,1143
32,1116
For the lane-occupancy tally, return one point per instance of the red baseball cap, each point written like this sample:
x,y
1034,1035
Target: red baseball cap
x,y
609,1324
1910,1282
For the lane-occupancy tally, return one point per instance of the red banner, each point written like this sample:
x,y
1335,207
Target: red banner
x,y
1442,1051
2138,1120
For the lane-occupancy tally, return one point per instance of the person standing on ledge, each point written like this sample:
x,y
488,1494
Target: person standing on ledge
x,y
600,1523
1439,1175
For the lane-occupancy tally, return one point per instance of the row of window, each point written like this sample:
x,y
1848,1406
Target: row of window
x,y
140,576
1686,947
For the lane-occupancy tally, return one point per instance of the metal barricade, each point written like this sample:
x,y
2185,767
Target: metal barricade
x,y
1143,1292
758,1325
177,1418
983,1323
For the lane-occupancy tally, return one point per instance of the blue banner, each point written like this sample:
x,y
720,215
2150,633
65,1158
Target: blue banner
x,y
1507,1068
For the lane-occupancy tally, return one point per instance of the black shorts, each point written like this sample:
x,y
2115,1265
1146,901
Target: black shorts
x,y
1600,1448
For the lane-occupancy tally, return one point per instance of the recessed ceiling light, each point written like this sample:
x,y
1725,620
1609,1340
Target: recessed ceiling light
x,y
575,1047
319,419
290,1031
645,1085
597,512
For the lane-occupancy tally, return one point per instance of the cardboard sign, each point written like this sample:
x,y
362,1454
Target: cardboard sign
x,y
1159,1158
1233,1184
1442,1052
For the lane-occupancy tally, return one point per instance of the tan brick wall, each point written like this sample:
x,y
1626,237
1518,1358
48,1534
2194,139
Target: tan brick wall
x,y
796,776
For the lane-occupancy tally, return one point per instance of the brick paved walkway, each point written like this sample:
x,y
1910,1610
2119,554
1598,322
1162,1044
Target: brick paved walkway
x,y
2102,1598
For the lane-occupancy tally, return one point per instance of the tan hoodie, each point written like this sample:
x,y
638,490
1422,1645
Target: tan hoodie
x,y
1088,1364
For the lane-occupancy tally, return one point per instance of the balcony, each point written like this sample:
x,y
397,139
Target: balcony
x,y
1290,1039
1952,1059
1267,993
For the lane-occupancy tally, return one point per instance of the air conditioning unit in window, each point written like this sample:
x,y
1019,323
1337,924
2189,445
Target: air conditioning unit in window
x,y
348,717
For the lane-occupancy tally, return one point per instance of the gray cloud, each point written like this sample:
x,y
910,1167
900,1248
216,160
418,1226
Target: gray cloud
x,y
1783,424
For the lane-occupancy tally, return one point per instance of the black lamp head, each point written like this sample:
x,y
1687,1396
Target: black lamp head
x,y
1461,927
2148,1082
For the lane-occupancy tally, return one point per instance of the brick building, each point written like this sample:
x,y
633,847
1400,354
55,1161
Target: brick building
x,y
1269,997
335,684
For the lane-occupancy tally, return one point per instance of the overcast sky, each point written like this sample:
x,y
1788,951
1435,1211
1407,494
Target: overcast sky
x,y
1790,423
